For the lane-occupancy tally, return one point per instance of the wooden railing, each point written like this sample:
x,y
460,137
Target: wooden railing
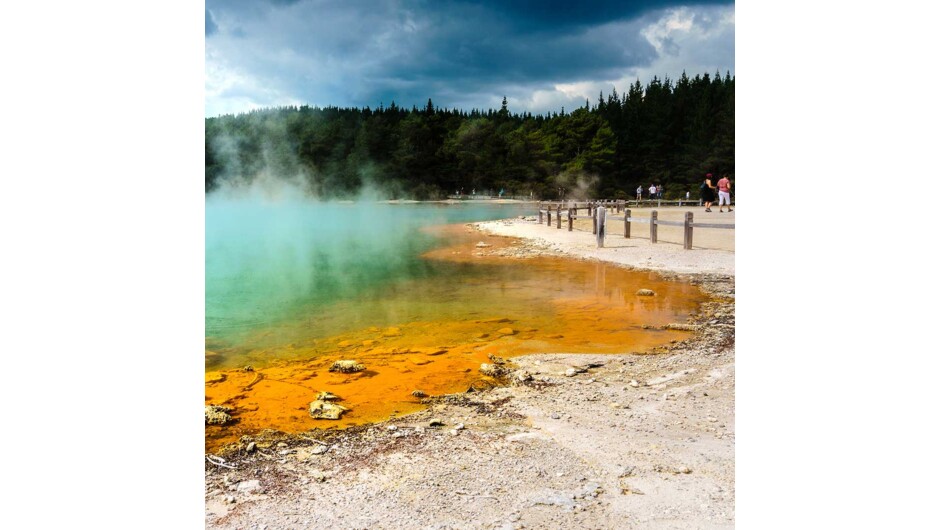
x,y
597,212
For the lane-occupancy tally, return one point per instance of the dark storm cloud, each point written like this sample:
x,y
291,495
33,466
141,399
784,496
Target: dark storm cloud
x,y
459,53
455,59
452,49
555,14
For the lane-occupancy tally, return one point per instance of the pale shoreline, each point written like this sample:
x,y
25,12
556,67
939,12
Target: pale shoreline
x,y
625,441
712,251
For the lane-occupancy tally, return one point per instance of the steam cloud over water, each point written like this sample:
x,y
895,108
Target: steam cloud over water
x,y
244,166
359,156
284,263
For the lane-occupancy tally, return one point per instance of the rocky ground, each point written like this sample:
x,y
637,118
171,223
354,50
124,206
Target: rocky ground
x,y
576,441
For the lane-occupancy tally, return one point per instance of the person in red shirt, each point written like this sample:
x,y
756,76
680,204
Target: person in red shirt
x,y
724,193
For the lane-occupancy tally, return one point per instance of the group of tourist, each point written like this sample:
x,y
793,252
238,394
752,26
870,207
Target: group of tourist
x,y
707,190
724,193
655,192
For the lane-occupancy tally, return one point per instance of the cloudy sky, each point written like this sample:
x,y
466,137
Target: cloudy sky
x,y
542,55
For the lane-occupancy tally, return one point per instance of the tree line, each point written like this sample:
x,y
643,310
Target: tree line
x,y
669,133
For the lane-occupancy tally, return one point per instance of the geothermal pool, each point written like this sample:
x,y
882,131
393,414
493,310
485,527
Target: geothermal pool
x,y
292,286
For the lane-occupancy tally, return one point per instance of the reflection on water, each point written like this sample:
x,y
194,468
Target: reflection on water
x,y
292,288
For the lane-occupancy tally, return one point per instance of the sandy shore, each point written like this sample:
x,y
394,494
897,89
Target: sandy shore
x,y
712,248
577,441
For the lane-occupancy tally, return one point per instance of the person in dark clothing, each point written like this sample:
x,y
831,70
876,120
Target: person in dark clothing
x,y
708,192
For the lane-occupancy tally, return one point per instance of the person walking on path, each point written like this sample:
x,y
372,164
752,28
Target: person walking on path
x,y
652,191
639,192
708,192
724,193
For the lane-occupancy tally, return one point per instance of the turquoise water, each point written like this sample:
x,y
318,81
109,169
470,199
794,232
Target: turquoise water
x,y
276,269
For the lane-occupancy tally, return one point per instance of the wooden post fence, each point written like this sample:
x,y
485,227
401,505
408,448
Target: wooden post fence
x,y
654,215
598,214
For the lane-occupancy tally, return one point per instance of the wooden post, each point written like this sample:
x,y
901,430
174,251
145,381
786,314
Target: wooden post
x,y
687,241
558,212
594,221
539,206
654,215
548,213
626,223
601,226
571,219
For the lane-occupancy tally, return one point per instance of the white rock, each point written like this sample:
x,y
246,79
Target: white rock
x,y
627,471
249,486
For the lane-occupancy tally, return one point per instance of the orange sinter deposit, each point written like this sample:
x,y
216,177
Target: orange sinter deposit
x,y
517,306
